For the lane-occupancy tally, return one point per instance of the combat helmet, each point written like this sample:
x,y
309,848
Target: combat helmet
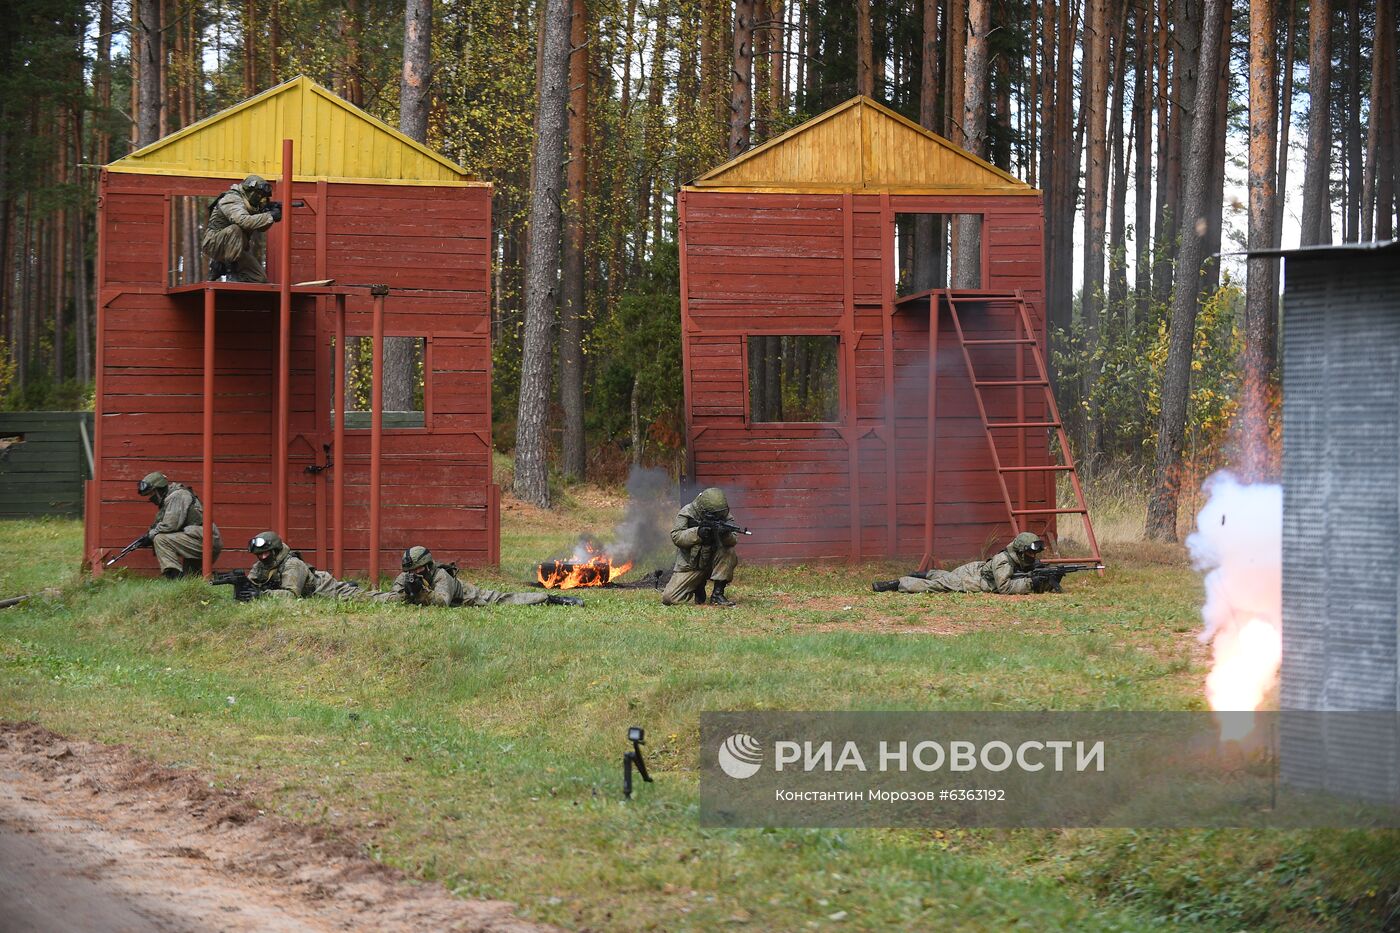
x,y
1027,543
153,484
266,542
712,502
256,189
416,558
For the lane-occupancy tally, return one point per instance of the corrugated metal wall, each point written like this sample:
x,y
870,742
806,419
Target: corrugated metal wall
x,y
43,462
1341,517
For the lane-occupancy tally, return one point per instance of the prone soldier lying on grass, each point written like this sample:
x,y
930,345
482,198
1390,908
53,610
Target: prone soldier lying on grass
x,y
1008,573
279,571
424,582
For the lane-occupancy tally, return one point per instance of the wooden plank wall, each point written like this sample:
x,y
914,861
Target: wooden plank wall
x,y
43,474
430,245
782,263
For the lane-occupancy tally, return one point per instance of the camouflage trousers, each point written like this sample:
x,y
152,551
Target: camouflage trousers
x,y
182,550
965,579
232,247
685,585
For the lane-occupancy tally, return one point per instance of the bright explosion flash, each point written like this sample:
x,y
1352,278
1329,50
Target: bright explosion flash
x,y
1238,543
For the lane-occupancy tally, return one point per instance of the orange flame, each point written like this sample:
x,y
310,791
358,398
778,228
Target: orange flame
x,y
588,567
1245,670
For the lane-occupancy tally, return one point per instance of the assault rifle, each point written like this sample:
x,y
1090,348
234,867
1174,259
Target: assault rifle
x,y
244,589
1045,578
143,541
723,526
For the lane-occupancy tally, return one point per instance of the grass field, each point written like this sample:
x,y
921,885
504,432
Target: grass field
x,y
482,748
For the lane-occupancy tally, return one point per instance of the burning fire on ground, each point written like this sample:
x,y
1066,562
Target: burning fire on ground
x,y
590,565
1238,543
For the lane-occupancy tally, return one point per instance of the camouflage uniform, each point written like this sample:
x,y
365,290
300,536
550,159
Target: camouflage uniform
x,y
697,561
441,587
287,576
982,576
177,534
236,222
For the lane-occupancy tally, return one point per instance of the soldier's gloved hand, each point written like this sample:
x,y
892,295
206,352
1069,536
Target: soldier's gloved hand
x,y
245,594
144,541
707,534
552,600
275,209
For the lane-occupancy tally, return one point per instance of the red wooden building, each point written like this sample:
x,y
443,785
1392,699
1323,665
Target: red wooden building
x,y
812,270
237,389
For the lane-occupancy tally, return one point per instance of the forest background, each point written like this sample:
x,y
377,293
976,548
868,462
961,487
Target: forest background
x,y
1163,133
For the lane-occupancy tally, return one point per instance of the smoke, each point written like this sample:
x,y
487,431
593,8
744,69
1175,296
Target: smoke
x,y
644,534
1238,544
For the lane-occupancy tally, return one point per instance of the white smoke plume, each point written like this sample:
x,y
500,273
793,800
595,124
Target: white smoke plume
x,y
1238,544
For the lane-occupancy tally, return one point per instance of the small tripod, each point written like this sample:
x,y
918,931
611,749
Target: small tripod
x,y
638,737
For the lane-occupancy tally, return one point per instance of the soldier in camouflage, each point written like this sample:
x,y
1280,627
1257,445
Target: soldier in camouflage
x,y
237,221
1006,573
424,582
279,571
177,534
702,553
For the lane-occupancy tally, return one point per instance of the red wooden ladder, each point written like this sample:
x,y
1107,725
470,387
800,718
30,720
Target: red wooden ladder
x,y
1023,339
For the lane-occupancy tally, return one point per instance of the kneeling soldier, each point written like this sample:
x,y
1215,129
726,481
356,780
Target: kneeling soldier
x,y
280,571
426,583
1008,573
236,229
177,535
704,551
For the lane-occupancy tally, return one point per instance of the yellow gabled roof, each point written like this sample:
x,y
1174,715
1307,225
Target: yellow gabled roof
x,y
332,140
860,146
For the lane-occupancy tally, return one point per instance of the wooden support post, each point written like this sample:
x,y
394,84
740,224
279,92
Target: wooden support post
x,y
207,480
376,428
849,420
284,341
931,485
338,446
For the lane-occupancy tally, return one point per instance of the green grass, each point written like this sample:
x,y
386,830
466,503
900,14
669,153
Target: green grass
x,y
482,748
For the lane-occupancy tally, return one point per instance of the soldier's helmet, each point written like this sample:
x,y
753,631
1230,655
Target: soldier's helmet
x,y
256,189
712,502
267,542
417,557
1027,543
153,484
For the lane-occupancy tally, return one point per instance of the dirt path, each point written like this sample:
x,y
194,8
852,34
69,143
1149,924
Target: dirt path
x,y
94,839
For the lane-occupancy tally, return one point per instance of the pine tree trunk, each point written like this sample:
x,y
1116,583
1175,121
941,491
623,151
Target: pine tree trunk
x,y
741,76
1142,171
1352,108
574,453
250,48
1176,378
974,132
957,62
542,256
415,94
865,55
923,272
149,79
1118,201
1259,296
1214,217
1285,125
1383,97
1164,210
1317,212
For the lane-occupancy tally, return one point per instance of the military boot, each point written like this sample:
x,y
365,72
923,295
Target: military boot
x,y
885,586
170,573
717,598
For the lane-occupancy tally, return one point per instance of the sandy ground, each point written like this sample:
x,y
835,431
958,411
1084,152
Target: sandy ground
x,y
94,839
